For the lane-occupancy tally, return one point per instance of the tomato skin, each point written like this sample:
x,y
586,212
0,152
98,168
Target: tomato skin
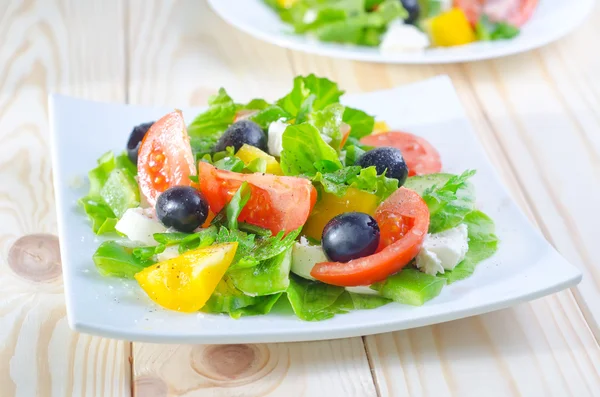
x,y
420,156
403,220
276,203
165,158
515,12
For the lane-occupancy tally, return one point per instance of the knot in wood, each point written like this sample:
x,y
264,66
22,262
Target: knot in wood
x,y
36,257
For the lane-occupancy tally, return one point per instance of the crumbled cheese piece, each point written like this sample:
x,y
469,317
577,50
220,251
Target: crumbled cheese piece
x,y
443,251
401,37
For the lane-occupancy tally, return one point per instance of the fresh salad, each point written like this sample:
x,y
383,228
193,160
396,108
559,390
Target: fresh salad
x,y
303,200
405,25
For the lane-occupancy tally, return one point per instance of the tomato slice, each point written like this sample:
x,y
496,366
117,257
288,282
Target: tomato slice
x,y
403,220
165,158
515,12
420,156
276,203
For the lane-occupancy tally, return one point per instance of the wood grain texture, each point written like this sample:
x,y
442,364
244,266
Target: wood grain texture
x,y
48,46
180,54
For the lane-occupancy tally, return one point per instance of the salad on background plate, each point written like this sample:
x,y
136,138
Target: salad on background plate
x,y
397,26
301,200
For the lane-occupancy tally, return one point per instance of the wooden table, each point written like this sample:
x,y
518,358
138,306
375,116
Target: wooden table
x,y
537,115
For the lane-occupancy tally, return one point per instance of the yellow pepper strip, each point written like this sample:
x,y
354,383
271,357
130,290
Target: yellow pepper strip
x,y
249,153
186,282
450,28
331,205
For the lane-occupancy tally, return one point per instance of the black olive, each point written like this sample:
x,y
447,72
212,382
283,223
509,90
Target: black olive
x,y
386,159
182,208
413,9
240,133
350,236
135,140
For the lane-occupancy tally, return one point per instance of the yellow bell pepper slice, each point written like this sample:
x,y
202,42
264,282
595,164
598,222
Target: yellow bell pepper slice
x,y
286,3
380,127
186,282
450,28
248,153
331,205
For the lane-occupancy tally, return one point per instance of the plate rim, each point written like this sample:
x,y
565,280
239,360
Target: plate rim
x,y
336,51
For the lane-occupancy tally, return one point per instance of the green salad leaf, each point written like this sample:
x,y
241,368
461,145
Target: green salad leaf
x,y
228,299
483,243
316,301
410,287
310,93
214,121
361,124
112,259
298,157
449,198
113,190
268,277
270,114
487,30
365,179
230,213
328,122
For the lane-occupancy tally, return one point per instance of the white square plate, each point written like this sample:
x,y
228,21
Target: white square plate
x,y
524,268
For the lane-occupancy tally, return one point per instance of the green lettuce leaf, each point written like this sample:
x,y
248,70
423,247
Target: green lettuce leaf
x,y
228,299
112,259
486,30
410,287
272,113
352,153
483,243
328,122
230,213
361,124
298,158
113,190
449,198
214,121
316,301
365,179
310,93
268,277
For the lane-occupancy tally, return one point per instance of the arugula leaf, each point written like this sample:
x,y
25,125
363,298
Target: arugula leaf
x,y
483,243
268,277
316,301
365,179
185,241
246,242
328,121
361,124
266,248
298,157
228,299
410,287
214,121
112,259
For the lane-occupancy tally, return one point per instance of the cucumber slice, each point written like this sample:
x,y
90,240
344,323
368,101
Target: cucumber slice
x,y
411,287
120,192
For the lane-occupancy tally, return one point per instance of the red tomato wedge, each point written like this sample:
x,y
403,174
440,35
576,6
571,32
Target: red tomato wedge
x,y
403,220
165,158
345,130
276,203
420,156
515,12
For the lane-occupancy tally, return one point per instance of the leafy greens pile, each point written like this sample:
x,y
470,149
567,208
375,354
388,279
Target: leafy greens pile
x,y
260,273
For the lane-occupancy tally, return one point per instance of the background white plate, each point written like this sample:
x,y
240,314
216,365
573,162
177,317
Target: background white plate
x,y
551,20
525,267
